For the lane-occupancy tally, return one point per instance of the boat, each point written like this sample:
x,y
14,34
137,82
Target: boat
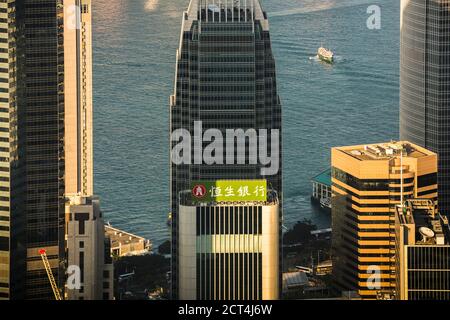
x,y
325,55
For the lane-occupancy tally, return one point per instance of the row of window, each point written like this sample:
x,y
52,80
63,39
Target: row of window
x,y
229,220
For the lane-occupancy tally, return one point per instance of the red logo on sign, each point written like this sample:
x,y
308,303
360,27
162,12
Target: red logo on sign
x,y
199,191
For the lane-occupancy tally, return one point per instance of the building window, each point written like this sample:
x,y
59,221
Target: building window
x,y
81,267
81,244
81,217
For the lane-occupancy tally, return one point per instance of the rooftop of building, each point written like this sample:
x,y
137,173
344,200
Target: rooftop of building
x,y
386,151
431,228
121,238
323,177
294,279
224,11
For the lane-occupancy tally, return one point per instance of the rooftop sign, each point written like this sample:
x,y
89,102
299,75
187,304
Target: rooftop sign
x,y
229,191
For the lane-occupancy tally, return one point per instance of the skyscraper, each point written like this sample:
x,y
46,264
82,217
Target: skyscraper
x,y
37,146
78,128
45,137
368,182
422,252
85,231
425,83
7,100
225,78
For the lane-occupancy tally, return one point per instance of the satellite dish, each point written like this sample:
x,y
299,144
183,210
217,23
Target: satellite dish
x,y
426,233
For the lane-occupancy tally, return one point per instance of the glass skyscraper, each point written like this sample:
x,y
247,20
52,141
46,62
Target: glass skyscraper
x,y
425,83
37,151
7,101
45,136
225,77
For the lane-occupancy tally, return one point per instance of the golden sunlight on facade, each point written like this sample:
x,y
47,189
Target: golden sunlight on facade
x,y
368,182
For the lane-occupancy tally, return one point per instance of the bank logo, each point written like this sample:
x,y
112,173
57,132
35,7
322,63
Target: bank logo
x,y
199,191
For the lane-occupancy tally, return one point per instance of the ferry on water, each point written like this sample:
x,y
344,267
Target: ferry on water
x,y
325,55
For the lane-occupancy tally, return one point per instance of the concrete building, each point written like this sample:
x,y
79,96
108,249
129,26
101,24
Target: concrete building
x,y
86,245
225,78
369,181
78,131
425,83
86,249
422,252
229,251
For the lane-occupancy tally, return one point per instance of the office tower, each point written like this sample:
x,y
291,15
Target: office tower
x,y
7,100
368,181
225,78
422,252
86,249
425,83
50,134
85,230
37,147
78,97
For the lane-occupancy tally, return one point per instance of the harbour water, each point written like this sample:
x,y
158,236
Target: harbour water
x,y
353,101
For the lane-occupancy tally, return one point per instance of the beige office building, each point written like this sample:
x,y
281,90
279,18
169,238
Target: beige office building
x,y
229,251
85,230
78,97
422,252
86,249
368,181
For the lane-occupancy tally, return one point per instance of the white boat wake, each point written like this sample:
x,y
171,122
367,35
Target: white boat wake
x,y
317,59
151,5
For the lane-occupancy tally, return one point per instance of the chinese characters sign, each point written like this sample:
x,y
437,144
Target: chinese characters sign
x,y
229,191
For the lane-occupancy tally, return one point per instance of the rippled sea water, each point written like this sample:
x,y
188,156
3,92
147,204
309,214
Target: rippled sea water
x,y
355,101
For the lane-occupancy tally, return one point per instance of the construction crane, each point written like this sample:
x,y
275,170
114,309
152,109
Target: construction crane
x,y
50,274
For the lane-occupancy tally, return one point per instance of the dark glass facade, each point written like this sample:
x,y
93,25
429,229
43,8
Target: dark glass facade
x,y
225,78
428,272
37,153
425,83
7,102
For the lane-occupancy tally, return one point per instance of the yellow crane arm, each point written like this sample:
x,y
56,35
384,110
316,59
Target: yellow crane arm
x,y
50,274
